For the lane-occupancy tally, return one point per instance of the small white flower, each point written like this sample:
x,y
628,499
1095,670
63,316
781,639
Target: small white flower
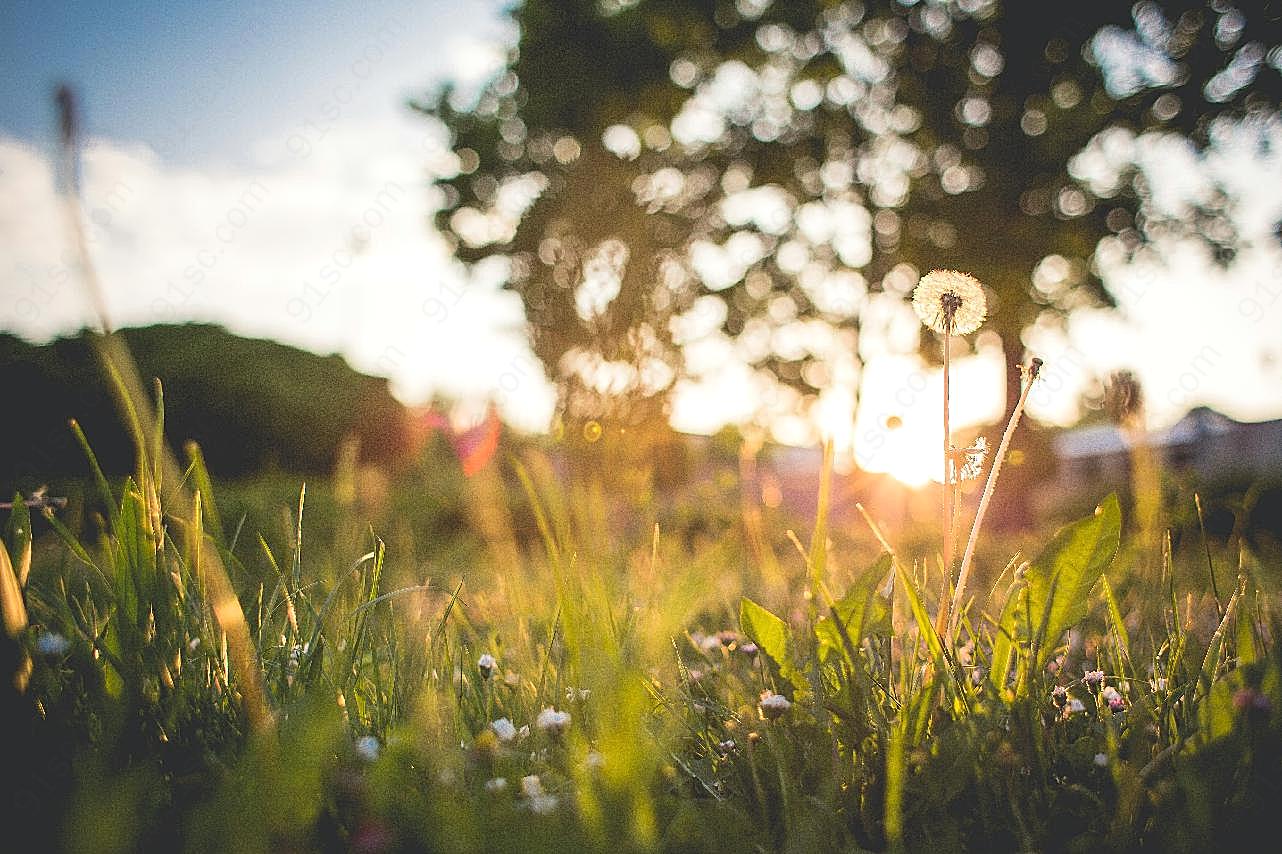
x,y
1075,706
773,705
496,785
52,643
504,729
367,748
486,663
524,732
1101,759
552,721
594,761
536,798
193,644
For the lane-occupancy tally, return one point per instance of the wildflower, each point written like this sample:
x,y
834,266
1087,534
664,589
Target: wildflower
x,y
594,761
977,676
193,644
773,705
486,665
536,798
1114,699
52,643
504,729
1059,696
727,637
706,643
372,837
496,785
949,302
1250,699
1101,759
1075,706
749,649
725,748
553,722
367,748
523,733
1093,679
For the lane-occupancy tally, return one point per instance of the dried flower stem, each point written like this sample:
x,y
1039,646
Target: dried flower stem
x,y
1030,375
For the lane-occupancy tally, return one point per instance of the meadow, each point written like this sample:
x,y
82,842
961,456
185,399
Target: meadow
x,y
572,659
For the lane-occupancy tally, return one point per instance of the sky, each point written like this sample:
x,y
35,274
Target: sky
x,y
258,167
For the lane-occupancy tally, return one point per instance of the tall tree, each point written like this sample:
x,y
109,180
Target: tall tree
x,y
681,183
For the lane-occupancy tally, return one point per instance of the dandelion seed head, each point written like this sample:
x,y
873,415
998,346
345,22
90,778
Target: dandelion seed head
x,y
971,461
950,302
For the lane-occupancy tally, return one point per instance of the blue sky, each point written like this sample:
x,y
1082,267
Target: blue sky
x,y
202,82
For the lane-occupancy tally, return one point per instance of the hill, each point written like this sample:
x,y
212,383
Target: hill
x,y
251,404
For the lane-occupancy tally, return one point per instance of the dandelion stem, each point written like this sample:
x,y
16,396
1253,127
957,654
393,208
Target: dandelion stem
x,y
948,490
1030,374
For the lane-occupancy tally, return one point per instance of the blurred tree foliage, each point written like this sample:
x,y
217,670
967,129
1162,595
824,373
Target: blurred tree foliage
x,y
250,404
683,183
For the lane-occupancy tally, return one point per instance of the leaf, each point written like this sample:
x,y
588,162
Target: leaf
x,y
12,607
924,625
862,611
817,560
1060,579
770,633
18,537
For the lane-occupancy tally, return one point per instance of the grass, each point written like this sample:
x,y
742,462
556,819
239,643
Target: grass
x,y
135,727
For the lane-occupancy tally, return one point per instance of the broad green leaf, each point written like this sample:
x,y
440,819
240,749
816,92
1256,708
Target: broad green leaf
x,y
770,633
1055,595
862,611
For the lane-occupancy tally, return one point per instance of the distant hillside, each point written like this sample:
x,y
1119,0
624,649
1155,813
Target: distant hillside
x,y
250,404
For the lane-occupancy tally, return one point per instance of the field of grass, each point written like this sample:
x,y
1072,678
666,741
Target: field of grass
x,y
554,665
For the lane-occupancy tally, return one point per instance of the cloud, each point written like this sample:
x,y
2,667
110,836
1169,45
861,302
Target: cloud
x,y
326,246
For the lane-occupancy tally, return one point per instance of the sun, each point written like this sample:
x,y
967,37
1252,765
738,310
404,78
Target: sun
x,y
903,450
